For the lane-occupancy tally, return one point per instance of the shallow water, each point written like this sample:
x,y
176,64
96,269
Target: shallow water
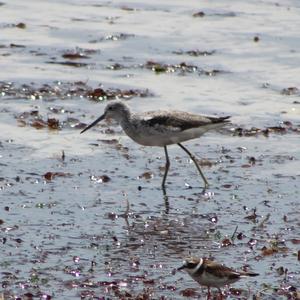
x,y
69,235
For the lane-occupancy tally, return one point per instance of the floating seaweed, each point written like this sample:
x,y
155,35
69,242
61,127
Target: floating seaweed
x,y
64,90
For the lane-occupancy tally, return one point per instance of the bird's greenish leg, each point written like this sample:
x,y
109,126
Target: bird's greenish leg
x,y
167,166
193,158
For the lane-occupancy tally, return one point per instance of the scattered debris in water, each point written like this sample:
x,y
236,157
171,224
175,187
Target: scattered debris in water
x,y
100,179
146,175
290,91
195,52
113,37
199,14
74,55
181,68
189,292
256,39
109,94
284,128
19,25
34,119
69,63
63,90
51,175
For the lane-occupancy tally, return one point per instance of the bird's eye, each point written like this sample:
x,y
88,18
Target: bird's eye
x,y
190,265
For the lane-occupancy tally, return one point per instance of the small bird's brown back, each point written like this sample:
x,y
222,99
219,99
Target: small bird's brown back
x,y
221,271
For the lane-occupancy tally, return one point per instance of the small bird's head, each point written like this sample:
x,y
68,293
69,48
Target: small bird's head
x,y
191,264
116,110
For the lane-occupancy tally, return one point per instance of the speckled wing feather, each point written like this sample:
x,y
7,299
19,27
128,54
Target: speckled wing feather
x,y
220,270
180,120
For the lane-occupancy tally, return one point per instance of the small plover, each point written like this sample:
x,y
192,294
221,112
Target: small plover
x,y
211,274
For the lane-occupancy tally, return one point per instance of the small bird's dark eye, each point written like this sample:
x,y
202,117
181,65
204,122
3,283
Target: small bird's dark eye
x,y
190,265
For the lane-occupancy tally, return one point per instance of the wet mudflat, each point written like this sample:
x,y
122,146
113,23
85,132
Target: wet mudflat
x,y
83,216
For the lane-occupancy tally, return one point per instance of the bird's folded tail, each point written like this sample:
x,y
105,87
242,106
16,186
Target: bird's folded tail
x,y
221,119
251,274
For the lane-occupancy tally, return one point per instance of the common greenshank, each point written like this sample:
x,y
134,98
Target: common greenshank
x,y
212,274
161,128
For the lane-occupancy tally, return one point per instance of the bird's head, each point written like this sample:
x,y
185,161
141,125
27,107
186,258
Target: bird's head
x,y
116,110
191,264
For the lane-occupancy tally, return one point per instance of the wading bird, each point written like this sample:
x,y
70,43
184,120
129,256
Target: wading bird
x,y
212,274
161,128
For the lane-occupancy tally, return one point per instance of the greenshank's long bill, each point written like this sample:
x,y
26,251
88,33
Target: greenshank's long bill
x,y
161,128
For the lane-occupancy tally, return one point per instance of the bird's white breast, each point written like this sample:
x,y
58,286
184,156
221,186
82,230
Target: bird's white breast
x,y
162,136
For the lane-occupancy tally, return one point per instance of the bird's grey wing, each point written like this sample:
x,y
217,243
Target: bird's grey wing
x,y
180,120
